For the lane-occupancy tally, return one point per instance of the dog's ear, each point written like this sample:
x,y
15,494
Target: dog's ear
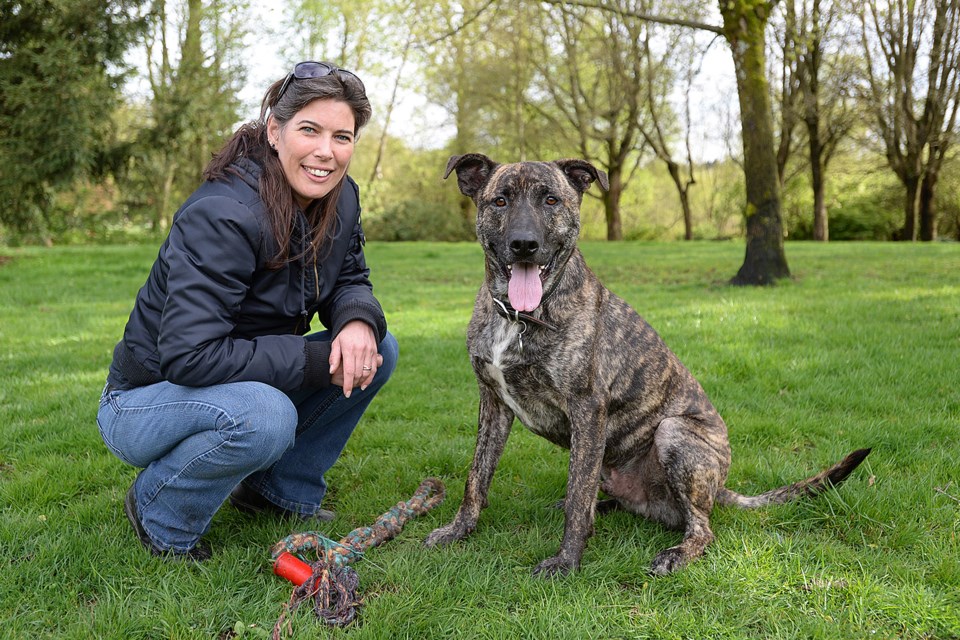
x,y
473,172
582,174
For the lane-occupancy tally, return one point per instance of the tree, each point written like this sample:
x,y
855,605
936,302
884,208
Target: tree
x,y
342,32
477,70
912,50
744,23
786,110
827,113
194,79
61,64
193,104
815,81
529,82
656,133
593,71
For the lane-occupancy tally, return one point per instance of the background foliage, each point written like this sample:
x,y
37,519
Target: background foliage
x,y
59,87
109,110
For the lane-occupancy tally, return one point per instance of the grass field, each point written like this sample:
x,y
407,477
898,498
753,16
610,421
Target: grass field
x,y
860,349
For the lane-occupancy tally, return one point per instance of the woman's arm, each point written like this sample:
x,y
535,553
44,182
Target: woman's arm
x,y
212,254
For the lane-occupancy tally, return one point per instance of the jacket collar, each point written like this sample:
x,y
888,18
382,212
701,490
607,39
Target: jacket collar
x,y
248,171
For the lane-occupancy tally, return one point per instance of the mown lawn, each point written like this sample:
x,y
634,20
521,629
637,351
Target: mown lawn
x,y
860,349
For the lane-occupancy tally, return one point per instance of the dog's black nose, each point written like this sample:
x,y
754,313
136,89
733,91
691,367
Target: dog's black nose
x,y
524,246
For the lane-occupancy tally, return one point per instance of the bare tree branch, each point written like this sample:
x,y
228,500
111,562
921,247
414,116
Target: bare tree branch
x,y
467,21
675,22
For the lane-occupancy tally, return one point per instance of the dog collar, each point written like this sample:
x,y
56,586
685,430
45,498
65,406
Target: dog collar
x,y
504,310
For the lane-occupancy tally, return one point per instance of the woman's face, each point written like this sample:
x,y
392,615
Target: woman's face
x,y
314,147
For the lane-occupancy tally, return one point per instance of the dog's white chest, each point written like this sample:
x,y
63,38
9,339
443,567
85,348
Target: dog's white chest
x,y
505,337
505,340
504,392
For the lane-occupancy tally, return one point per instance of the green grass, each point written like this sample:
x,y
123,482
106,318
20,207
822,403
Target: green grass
x,y
861,348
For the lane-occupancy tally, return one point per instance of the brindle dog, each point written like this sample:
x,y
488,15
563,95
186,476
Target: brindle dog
x,y
551,346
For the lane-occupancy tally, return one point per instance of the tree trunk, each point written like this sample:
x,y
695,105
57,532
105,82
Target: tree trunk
x,y
376,173
765,261
909,231
161,218
687,215
611,205
821,230
928,207
682,189
464,119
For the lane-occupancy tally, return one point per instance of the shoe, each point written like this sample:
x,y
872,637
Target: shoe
x,y
199,553
252,503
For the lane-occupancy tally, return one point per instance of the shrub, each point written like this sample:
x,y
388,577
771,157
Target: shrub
x,y
411,220
870,210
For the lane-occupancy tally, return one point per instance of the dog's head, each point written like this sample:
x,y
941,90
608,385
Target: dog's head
x,y
528,219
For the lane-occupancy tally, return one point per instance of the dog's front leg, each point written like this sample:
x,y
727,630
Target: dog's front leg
x,y
493,428
587,440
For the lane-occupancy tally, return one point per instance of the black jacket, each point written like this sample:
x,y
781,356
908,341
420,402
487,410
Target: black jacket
x,y
212,312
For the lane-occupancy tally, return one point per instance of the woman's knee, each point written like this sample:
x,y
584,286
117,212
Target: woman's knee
x,y
390,350
264,420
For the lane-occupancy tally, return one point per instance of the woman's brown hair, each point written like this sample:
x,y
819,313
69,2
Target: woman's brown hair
x,y
250,141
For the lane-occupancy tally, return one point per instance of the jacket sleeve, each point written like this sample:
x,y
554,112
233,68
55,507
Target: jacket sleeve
x,y
212,254
352,297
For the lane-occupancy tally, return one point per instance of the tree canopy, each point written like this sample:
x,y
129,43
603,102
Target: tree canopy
x,y
61,64
612,81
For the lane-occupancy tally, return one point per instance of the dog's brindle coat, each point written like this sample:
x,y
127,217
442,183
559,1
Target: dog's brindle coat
x,y
598,380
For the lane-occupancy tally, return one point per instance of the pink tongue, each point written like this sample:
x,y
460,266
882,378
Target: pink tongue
x,y
525,287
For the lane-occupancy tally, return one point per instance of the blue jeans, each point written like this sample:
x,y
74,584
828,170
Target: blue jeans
x,y
196,444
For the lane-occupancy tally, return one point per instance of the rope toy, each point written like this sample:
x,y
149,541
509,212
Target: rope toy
x,y
330,582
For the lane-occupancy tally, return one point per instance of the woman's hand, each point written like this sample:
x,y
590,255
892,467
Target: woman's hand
x,y
353,357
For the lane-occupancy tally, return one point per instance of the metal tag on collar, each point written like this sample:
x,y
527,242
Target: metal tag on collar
x,y
523,329
514,318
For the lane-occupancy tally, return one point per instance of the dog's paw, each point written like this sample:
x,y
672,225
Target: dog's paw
x,y
668,561
554,567
446,535
608,506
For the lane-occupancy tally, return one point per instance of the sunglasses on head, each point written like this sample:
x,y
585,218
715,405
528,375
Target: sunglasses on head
x,y
311,69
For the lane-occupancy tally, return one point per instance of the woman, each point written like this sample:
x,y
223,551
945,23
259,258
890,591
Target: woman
x,y
215,389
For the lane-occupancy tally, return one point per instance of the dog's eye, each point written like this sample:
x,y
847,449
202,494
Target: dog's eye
x,y
551,200
500,202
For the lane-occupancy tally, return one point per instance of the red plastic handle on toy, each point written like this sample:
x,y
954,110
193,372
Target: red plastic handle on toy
x,y
292,568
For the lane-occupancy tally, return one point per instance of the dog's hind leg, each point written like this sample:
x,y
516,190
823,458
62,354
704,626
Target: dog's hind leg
x,y
492,432
695,467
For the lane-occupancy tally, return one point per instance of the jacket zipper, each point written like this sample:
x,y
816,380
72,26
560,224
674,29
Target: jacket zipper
x,y
316,276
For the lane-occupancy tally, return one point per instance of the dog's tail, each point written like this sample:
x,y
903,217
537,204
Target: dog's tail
x,y
809,487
